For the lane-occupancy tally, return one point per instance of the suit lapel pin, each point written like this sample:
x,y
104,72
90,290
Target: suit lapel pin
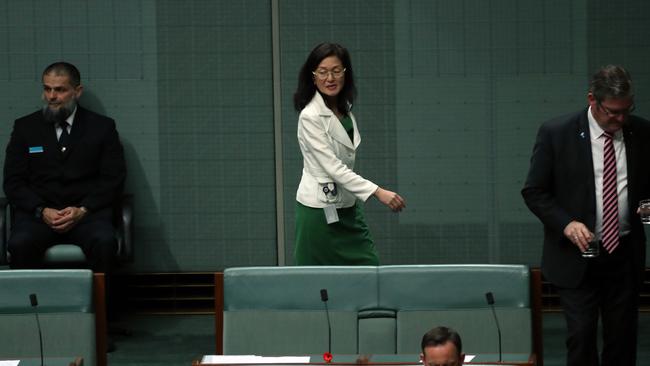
x,y
582,134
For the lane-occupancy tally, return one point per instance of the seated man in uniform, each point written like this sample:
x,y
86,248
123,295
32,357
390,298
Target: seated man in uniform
x,y
64,170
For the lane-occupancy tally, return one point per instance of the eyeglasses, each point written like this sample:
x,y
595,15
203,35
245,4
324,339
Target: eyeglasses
x,y
323,74
613,114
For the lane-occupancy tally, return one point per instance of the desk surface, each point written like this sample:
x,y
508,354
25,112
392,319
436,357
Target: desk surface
x,y
518,359
50,361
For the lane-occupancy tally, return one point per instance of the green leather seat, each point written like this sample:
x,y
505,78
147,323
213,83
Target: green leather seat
x,y
278,310
425,296
374,310
65,308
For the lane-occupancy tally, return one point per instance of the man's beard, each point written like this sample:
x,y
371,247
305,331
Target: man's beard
x,y
61,114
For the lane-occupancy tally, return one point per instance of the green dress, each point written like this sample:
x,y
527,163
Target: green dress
x,y
346,242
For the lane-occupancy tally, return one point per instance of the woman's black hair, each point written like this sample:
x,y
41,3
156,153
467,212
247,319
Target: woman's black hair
x,y
306,88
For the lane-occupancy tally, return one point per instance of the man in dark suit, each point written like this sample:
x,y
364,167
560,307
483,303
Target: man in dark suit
x,y
588,172
64,169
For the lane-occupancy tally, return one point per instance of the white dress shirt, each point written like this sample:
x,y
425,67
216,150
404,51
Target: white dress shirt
x,y
70,118
597,153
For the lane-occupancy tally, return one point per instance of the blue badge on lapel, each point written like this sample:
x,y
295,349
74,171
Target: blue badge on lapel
x,y
35,149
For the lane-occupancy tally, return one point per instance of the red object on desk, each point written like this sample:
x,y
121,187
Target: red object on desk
x,y
327,357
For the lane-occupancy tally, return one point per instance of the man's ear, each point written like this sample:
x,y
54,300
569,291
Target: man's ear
x,y
590,98
79,90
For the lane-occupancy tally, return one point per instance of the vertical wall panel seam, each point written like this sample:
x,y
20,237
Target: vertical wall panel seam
x,y
277,132
494,216
8,53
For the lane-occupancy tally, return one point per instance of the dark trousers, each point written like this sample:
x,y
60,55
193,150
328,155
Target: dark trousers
x,y
31,237
610,289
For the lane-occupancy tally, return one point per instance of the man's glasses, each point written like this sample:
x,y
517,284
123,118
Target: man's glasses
x,y
611,113
323,74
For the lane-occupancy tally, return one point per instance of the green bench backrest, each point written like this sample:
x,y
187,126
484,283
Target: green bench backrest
x,y
373,310
65,311
425,296
278,310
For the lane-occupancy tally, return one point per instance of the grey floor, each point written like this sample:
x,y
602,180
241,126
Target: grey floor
x,y
158,340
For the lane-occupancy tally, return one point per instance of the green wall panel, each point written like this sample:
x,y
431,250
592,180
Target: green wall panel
x,y
451,94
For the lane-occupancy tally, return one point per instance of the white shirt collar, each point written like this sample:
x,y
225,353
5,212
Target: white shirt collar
x,y
70,118
595,131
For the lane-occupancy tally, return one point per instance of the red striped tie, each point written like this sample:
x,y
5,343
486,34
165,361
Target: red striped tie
x,y
610,196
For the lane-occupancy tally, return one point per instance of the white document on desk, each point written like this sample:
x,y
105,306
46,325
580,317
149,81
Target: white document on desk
x,y
9,363
252,359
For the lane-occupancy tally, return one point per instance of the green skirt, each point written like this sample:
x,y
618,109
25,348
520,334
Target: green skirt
x,y
344,243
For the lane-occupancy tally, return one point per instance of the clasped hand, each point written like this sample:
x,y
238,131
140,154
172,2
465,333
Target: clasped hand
x,y
63,220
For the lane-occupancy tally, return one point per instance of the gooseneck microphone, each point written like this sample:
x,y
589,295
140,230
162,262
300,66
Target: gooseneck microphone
x,y
324,298
490,301
34,301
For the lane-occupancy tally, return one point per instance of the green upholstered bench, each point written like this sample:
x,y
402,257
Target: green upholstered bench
x,y
65,308
454,295
374,310
278,310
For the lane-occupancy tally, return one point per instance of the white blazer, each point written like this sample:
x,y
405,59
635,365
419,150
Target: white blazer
x,y
328,159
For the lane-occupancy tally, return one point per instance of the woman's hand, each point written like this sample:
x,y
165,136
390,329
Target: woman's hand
x,y
391,199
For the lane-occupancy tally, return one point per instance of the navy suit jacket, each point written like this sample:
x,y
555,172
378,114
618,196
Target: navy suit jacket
x,y
91,173
560,188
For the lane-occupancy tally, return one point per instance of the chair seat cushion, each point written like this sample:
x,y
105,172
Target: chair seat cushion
x,y
64,253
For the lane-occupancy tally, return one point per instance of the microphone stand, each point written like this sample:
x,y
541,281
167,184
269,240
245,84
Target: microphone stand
x,y
34,302
490,301
324,298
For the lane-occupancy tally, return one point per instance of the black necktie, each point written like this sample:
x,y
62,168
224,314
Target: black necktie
x,y
64,139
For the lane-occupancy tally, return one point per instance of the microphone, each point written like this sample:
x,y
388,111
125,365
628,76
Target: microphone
x,y
324,298
490,301
34,302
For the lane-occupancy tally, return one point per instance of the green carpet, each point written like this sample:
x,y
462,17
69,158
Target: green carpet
x,y
158,340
